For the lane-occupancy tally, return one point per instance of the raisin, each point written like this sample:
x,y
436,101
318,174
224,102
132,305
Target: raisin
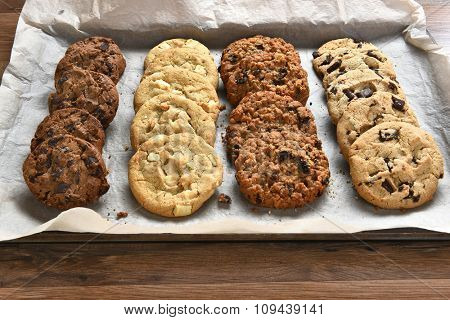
x,y
388,134
70,127
283,155
386,184
278,82
104,46
303,166
62,80
233,58
282,72
90,160
242,79
62,187
398,104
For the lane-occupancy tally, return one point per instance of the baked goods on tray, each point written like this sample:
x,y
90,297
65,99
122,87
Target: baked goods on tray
x,y
175,168
65,168
393,163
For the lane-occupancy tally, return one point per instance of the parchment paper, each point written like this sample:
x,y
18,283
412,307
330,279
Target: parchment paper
x,y
46,27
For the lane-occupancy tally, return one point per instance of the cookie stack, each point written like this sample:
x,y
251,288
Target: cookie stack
x,y
175,169
272,137
65,168
393,163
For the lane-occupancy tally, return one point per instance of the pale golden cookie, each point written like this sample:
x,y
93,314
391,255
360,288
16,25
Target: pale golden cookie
x,y
187,58
169,114
396,165
174,43
174,175
179,81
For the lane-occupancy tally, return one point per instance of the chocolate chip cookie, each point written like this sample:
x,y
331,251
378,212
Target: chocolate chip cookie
x,y
71,121
91,91
357,85
361,115
174,175
331,49
282,169
243,48
268,71
187,58
396,165
179,81
265,111
65,172
96,54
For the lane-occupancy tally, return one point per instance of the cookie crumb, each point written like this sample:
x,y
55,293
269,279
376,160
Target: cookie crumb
x,y
222,107
125,147
224,199
121,215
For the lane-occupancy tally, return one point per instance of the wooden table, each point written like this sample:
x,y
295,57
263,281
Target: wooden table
x,y
57,265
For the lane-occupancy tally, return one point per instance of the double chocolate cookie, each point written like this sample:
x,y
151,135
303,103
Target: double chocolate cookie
x,y
96,54
91,91
65,172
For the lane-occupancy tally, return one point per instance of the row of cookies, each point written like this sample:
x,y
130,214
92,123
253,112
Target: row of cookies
x,y
394,164
272,137
65,168
175,168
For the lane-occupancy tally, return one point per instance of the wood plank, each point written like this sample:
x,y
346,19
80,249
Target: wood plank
x,y
388,289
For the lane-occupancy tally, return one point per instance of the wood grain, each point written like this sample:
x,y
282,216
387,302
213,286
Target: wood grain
x,y
65,266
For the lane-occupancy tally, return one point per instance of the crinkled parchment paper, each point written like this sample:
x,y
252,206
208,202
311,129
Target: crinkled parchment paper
x,y
46,27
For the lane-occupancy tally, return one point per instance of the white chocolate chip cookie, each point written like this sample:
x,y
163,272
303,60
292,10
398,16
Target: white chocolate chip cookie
x,y
174,175
169,114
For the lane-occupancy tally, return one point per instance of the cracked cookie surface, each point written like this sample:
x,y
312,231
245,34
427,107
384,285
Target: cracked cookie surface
x,y
169,114
282,169
360,116
65,172
96,54
174,175
75,122
268,71
86,90
182,82
396,165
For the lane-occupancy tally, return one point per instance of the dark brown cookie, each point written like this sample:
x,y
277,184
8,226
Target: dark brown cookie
x,y
76,122
282,169
243,48
274,72
65,172
266,111
97,54
87,90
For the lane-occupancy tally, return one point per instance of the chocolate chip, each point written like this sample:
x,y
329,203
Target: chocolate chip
x,y
70,127
282,72
364,93
233,58
283,155
259,46
359,45
303,166
349,94
104,46
90,160
388,134
104,189
327,60
398,104
326,181
389,164
373,55
50,133
334,66
62,187
54,141
278,82
98,172
318,144
316,54
386,184
333,90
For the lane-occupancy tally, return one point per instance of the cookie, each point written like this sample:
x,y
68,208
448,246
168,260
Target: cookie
x,y
352,60
71,121
169,114
268,71
187,58
90,91
361,115
396,165
331,49
242,48
179,81
265,111
96,54
282,169
65,172
358,85
174,175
